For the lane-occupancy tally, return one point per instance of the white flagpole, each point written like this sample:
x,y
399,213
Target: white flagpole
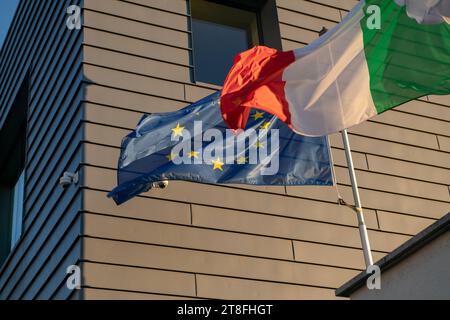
x,y
358,207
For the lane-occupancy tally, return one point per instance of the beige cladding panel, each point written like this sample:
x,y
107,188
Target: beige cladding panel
x,y
175,6
140,208
297,34
428,109
409,169
415,122
391,133
230,288
309,8
136,29
240,199
382,182
331,255
291,45
204,262
133,82
138,102
402,223
195,93
138,65
444,143
394,150
325,233
239,242
309,22
186,236
142,12
443,100
137,47
138,279
112,294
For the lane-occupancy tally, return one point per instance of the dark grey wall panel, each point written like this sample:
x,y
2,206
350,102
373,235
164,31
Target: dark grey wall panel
x,y
41,47
56,287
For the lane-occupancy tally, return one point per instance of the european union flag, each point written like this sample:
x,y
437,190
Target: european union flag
x,y
193,144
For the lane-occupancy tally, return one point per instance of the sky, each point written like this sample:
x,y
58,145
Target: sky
x,y
7,9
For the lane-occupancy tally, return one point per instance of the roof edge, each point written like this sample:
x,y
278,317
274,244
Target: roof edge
x,y
402,252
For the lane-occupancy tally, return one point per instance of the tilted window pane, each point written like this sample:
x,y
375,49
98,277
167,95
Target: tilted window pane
x,y
17,212
219,33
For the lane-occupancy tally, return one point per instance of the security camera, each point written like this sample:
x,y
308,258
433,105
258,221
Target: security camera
x,y
67,179
160,184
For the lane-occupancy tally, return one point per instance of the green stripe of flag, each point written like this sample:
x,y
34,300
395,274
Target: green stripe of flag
x,y
406,60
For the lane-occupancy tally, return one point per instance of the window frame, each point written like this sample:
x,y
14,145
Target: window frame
x,y
267,22
13,139
18,210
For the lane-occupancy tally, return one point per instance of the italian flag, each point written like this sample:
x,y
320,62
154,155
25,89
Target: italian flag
x,y
352,73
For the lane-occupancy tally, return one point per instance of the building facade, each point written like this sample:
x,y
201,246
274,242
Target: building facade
x,y
68,97
417,270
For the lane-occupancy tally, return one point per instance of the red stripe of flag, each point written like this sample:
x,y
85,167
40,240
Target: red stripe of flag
x,y
256,81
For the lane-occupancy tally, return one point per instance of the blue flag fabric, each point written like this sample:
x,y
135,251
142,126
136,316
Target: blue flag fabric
x,y
194,144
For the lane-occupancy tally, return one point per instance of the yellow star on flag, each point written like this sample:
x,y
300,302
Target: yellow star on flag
x,y
171,156
265,126
217,164
258,115
258,145
177,131
193,154
237,102
242,160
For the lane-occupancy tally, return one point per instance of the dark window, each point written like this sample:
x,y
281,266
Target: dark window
x,y
12,177
222,29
